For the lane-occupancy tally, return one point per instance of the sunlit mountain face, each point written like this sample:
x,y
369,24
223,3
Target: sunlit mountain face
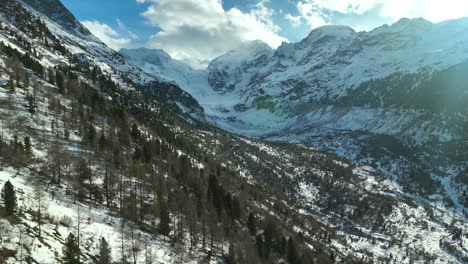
x,y
252,131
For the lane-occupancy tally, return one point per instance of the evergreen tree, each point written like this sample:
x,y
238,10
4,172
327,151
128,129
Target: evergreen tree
x,y
9,198
284,243
231,257
31,104
236,208
292,253
71,250
59,81
104,256
94,74
27,145
251,224
164,219
51,77
11,86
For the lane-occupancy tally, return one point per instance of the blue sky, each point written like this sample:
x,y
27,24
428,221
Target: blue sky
x,y
196,31
129,13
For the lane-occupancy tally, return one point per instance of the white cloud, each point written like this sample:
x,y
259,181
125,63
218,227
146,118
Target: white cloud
x,y
124,28
196,31
374,12
295,20
108,35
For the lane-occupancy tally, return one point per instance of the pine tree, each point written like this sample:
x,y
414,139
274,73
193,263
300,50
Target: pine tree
x,y
292,254
11,86
59,80
9,198
27,145
71,251
236,208
231,257
251,224
94,74
31,104
164,219
282,249
104,256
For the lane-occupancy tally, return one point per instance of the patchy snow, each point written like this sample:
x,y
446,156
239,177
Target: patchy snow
x,y
61,216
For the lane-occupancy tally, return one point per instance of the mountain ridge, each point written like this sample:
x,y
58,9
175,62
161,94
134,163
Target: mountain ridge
x,y
126,150
387,81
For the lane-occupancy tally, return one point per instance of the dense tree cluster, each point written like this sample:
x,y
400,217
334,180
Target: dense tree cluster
x,y
136,156
158,179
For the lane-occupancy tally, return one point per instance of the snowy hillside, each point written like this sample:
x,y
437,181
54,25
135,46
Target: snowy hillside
x,y
405,80
62,216
356,155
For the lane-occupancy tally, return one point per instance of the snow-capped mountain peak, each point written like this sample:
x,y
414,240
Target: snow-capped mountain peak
x,y
153,56
328,33
405,24
247,52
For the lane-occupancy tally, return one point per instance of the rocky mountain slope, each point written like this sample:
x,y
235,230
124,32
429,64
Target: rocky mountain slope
x,y
394,98
97,147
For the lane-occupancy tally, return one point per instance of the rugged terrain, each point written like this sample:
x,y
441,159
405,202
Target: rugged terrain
x,y
394,98
132,147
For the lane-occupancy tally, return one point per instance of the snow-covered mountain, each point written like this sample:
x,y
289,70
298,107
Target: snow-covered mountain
x,y
406,81
333,60
56,11
331,66
77,40
108,158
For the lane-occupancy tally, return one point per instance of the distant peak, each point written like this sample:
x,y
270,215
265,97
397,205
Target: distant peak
x,y
332,30
249,48
254,44
335,28
411,23
152,56
328,32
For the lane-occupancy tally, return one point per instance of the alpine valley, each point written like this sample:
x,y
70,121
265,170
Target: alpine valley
x,y
346,147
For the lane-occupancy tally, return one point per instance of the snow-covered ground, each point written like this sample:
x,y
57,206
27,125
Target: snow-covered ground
x,y
415,230
61,216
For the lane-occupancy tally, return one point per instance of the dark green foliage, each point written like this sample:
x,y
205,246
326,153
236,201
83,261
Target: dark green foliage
x,y
419,181
32,64
148,180
31,104
251,224
51,77
11,86
261,248
292,253
9,198
283,246
94,74
90,136
27,145
164,220
59,81
104,256
71,250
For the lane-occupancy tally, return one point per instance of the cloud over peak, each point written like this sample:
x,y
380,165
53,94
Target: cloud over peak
x,y
108,35
368,14
196,31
